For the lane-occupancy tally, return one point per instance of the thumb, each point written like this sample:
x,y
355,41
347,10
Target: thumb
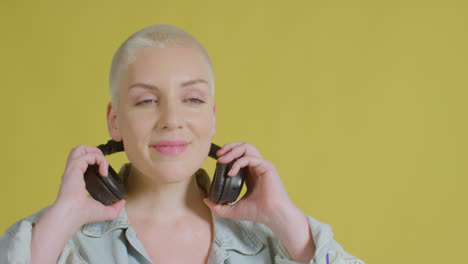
x,y
112,212
224,211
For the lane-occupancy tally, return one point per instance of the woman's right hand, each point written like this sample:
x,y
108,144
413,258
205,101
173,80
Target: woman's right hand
x,y
72,208
72,195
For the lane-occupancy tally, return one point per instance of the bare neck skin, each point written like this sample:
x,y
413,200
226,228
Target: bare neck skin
x,y
153,201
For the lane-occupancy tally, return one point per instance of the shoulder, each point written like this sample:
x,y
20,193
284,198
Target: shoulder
x,y
15,242
252,242
245,241
23,224
240,230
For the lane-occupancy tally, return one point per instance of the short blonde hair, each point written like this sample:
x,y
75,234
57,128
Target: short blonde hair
x,y
161,36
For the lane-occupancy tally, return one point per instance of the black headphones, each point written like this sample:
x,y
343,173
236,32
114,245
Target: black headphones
x,y
108,190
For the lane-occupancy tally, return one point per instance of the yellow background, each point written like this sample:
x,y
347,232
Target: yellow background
x,y
361,105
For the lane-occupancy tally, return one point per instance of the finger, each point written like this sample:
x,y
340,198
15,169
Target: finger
x,y
83,149
244,149
239,151
96,159
227,148
109,212
235,152
113,211
82,162
80,150
260,165
224,211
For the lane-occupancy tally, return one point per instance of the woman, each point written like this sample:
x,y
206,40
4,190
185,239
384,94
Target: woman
x,y
162,107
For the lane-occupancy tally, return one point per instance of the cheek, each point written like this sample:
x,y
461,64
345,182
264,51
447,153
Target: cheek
x,y
203,123
137,124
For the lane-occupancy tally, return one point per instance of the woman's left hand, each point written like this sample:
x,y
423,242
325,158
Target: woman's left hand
x,y
265,201
265,194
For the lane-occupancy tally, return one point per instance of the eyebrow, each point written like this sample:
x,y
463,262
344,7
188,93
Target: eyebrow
x,y
154,87
143,85
195,81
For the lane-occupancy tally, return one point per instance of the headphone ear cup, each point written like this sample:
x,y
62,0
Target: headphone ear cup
x,y
107,190
224,188
114,183
232,187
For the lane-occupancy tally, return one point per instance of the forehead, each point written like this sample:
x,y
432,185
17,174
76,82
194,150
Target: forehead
x,y
167,66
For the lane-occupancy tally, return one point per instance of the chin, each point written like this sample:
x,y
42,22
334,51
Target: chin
x,y
167,169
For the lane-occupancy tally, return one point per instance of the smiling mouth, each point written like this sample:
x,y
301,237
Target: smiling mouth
x,y
170,148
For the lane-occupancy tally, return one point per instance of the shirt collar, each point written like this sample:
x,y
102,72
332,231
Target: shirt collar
x,y
228,234
235,235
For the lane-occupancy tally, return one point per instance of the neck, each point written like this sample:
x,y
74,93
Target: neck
x,y
154,201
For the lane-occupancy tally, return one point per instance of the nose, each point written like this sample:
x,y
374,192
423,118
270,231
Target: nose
x,y
170,116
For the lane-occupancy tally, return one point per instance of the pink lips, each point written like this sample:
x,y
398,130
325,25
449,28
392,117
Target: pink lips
x,y
171,148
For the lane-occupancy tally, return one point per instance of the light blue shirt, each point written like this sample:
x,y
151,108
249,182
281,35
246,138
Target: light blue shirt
x,y
116,242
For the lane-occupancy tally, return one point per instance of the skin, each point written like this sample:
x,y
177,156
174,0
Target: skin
x,y
163,198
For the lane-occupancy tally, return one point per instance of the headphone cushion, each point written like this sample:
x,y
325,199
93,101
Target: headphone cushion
x,y
224,188
232,187
218,182
114,183
98,188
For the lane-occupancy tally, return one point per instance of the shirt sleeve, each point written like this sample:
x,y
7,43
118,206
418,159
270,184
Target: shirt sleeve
x,y
15,243
327,250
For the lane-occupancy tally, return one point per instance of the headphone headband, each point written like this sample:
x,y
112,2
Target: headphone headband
x,y
113,146
214,148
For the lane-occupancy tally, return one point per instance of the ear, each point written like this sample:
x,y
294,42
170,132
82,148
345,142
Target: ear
x,y
213,133
112,124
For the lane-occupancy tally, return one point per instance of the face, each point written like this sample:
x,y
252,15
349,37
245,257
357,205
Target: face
x,y
165,95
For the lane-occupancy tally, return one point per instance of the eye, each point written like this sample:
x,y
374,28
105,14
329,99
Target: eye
x,y
147,102
195,100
